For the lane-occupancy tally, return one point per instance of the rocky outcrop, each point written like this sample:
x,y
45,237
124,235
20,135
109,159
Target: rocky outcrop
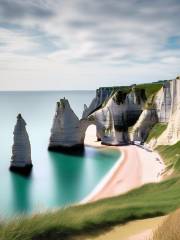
x,y
163,101
21,150
144,124
172,134
114,113
121,111
66,131
102,94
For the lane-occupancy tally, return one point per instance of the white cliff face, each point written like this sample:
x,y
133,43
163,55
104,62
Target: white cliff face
x,y
172,134
66,131
144,124
163,102
101,95
120,111
21,150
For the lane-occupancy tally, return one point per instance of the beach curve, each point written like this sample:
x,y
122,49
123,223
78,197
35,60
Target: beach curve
x,y
135,167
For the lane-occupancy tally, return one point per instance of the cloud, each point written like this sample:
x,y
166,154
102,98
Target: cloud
x,y
78,33
18,9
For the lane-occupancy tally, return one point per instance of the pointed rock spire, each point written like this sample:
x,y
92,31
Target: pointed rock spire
x,y
65,131
21,149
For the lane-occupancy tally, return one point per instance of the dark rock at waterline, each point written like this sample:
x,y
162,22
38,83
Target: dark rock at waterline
x,y
25,171
77,149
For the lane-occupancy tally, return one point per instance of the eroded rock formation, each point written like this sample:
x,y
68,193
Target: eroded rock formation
x,y
66,130
121,111
21,150
115,112
172,134
144,124
163,101
101,95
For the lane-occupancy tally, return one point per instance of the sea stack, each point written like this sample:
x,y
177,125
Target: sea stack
x,y
66,132
21,149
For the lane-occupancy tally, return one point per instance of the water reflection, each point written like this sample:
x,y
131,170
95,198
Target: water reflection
x,y
21,197
74,177
67,175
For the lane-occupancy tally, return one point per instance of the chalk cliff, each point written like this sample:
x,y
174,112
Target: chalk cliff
x,y
66,130
163,101
144,124
172,134
21,150
121,111
115,111
101,95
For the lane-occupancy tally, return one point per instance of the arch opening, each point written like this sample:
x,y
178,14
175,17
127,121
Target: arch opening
x,y
90,135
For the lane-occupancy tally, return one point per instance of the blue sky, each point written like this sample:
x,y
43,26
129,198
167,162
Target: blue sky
x,y
84,44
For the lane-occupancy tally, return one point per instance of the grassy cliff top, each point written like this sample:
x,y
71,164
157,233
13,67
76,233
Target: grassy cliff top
x,y
150,88
144,91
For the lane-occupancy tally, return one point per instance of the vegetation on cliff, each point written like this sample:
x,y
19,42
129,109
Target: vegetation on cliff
x,y
150,91
150,200
171,156
143,92
156,131
150,88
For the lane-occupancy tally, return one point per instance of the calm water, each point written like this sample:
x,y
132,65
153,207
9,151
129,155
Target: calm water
x,y
57,179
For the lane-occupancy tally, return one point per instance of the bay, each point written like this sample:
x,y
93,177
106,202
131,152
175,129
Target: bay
x,y
57,179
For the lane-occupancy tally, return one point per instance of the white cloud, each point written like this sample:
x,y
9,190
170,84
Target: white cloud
x,y
101,41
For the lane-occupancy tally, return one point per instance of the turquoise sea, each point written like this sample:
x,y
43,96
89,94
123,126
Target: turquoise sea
x,y
57,179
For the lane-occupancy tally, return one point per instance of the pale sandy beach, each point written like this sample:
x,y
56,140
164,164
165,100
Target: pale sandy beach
x,y
136,167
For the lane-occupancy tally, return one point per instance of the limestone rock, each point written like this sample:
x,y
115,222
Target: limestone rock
x,y
121,111
101,95
66,131
144,124
21,150
163,102
172,134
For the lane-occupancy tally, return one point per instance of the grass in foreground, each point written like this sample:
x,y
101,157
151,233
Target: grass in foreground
x,y
170,229
156,131
150,200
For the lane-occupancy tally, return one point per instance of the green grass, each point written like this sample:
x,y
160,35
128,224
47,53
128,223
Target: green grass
x,y
150,88
156,131
171,155
148,201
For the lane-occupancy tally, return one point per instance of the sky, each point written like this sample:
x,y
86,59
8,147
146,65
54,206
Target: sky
x,y
85,44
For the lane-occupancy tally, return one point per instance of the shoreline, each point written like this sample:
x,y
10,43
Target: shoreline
x,y
135,167
105,179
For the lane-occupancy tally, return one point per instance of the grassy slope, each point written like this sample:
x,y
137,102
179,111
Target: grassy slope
x,y
148,201
170,229
171,155
156,131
